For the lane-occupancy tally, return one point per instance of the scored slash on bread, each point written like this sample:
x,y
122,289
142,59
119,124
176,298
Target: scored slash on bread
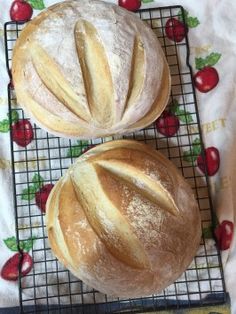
x,y
99,92
150,188
136,77
55,81
53,216
123,219
105,219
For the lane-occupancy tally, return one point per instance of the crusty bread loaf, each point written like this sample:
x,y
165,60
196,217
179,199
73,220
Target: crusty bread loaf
x,y
123,220
88,69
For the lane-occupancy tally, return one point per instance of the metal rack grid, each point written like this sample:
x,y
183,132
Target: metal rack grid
x,y
51,288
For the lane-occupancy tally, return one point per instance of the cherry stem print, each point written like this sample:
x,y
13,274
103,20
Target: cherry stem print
x,y
208,161
207,76
39,191
177,28
21,263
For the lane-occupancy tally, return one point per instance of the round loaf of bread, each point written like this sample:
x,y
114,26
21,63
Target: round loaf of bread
x,y
124,220
90,69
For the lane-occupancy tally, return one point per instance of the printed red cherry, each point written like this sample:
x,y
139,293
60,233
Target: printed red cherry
x,y
211,163
175,30
206,79
20,11
224,234
167,124
42,195
10,270
22,132
131,5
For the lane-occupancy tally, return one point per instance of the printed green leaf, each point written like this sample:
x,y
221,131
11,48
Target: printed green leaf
x,y
27,244
209,60
182,114
188,156
147,1
207,232
192,22
37,181
213,58
189,20
199,63
11,243
196,141
14,116
77,150
29,193
196,147
4,126
191,155
5,123
37,4
74,151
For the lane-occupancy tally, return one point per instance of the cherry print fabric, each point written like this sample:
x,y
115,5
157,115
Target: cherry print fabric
x,y
213,54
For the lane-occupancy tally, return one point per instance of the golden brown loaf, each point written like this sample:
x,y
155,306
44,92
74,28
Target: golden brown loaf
x,y
88,69
123,220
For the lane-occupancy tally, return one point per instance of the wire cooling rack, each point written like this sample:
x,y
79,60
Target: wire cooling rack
x,y
51,288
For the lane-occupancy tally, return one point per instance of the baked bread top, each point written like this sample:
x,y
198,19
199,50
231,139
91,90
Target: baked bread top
x,y
88,69
124,220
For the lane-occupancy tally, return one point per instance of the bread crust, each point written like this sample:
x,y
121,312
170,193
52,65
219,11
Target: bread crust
x,y
90,70
114,230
